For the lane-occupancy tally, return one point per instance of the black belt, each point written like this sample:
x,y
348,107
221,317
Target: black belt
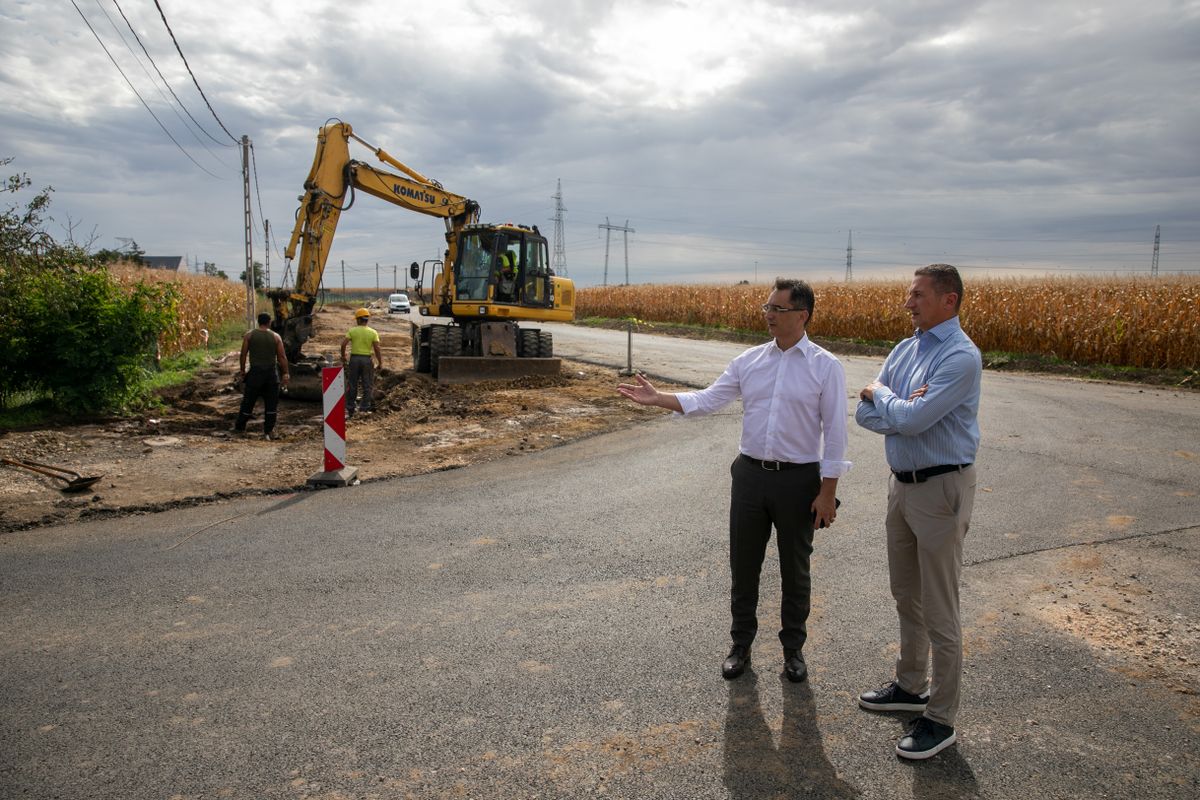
x,y
776,466
921,475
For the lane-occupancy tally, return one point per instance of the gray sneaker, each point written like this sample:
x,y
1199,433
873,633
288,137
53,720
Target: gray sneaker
x,y
890,697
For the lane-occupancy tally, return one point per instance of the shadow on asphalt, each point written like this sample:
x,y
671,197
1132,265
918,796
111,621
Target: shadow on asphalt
x,y
287,502
946,776
756,766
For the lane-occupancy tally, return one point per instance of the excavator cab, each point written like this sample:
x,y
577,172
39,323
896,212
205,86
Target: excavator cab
x,y
503,264
475,266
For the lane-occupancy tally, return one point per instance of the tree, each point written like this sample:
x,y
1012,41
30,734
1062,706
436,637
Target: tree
x,y
258,275
107,255
130,249
21,231
210,269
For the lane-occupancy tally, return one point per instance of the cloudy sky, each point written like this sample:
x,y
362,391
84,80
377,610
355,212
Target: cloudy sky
x,y
740,139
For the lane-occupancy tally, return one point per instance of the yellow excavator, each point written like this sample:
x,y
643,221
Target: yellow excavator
x,y
493,277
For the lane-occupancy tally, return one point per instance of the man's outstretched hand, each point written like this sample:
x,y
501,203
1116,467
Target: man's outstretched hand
x,y
642,392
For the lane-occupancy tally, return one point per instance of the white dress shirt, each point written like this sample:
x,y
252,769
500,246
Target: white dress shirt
x,y
794,402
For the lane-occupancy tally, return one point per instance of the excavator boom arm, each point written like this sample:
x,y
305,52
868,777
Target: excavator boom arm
x,y
328,191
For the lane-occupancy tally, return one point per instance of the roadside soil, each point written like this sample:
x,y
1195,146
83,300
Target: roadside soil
x,y
186,453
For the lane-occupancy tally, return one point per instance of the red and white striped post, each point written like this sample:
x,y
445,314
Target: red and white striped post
x,y
333,397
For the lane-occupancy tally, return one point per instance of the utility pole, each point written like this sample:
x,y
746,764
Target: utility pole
x,y
250,312
267,248
559,261
608,228
607,235
395,286
628,230
849,252
1154,260
376,278
343,279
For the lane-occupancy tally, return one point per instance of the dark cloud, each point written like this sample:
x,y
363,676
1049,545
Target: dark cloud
x,y
1018,134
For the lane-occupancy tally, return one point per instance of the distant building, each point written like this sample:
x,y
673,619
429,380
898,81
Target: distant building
x,y
174,263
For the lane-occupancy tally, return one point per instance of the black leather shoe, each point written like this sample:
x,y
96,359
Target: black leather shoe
x,y
794,666
736,663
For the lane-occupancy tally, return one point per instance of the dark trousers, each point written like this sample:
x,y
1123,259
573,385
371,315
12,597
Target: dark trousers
x,y
361,369
759,500
260,382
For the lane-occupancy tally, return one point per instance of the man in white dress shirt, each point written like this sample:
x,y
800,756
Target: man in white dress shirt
x,y
793,450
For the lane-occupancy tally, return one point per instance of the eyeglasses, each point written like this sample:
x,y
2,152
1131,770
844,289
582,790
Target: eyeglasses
x,y
768,309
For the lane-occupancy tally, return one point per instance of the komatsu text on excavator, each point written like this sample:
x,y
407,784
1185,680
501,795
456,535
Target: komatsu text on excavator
x,y
493,281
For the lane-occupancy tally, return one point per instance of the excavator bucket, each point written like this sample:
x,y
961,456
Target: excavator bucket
x,y
305,383
473,369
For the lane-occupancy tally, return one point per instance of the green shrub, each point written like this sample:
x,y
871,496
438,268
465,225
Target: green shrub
x,y
72,330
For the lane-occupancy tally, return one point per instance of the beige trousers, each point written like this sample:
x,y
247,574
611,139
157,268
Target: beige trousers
x,y
926,525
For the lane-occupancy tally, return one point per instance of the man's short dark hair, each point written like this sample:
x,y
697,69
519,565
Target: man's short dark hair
x,y
945,280
264,319
800,292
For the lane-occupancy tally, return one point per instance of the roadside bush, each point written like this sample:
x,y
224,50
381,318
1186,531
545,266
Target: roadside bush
x,y
67,326
72,330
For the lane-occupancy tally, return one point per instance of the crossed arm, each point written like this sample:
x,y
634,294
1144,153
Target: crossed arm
x,y
882,411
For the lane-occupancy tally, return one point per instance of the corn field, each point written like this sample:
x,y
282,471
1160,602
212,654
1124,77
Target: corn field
x,y
205,303
1136,322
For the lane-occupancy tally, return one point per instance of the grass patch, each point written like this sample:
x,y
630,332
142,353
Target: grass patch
x,y
1026,362
25,409
179,369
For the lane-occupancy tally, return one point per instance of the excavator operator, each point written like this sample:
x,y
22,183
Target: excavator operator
x,y
506,279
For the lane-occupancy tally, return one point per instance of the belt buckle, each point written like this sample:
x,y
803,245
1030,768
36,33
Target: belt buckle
x,y
775,468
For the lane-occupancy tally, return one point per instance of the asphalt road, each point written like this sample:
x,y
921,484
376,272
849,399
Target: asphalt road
x,y
552,625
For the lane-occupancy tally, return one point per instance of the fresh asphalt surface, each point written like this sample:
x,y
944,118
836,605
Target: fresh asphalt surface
x,y
552,625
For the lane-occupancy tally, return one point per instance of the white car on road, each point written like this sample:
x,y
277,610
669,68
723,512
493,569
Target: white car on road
x,y
398,303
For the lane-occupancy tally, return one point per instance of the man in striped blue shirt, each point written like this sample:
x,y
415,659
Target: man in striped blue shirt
x,y
925,402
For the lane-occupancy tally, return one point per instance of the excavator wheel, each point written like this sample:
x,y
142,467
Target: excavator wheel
x,y
527,343
545,344
420,351
444,340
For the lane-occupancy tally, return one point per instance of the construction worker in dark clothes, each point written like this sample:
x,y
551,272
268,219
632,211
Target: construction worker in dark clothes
x,y
362,340
264,350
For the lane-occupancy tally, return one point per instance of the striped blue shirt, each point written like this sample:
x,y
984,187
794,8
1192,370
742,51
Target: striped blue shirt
x,y
941,427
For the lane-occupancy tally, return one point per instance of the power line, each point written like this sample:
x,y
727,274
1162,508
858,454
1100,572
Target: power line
x,y
145,72
135,91
608,228
263,216
189,70
161,76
